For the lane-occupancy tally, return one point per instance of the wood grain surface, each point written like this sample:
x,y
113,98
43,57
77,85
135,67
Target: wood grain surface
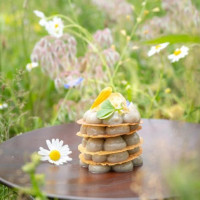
x,y
165,143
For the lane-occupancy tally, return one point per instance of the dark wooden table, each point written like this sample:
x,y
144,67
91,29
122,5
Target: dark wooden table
x,y
165,143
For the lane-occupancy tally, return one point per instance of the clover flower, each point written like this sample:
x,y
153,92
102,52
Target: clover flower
x,y
157,48
94,61
103,38
55,55
178,54
57,153
111,56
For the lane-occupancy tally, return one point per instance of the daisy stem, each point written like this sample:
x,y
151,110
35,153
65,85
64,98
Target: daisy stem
x,y
83,30
158,90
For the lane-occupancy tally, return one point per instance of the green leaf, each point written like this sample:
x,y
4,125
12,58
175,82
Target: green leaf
x,y
106,110
104,114
176,38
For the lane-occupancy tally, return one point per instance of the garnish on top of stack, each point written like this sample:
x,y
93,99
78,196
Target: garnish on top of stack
x,y
111,109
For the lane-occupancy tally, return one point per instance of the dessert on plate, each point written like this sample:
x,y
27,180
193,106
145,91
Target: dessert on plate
x,y
109,131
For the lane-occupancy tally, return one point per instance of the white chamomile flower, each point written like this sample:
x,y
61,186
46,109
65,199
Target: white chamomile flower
x,y
30,66
57,153
2,106
157,48
42,17
178,54
55,27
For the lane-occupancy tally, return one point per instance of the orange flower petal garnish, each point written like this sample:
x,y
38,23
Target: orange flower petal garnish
x,y
104,94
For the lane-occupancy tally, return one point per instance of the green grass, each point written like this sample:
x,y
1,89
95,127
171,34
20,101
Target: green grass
x,y
32,97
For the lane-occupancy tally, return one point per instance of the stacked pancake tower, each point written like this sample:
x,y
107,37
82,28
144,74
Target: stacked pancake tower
x,y
109,131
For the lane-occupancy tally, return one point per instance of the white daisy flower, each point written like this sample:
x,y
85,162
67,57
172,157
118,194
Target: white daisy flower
x,y
57,153
178,54
41,15
30,66
55,27
157,48
3,105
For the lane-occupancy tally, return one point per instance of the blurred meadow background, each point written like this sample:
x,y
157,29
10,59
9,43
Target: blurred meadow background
x,y
104,43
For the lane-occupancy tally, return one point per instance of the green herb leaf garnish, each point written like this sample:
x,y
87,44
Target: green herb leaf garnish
x,y
106,110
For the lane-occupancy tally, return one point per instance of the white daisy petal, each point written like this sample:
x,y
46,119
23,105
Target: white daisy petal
x,y
66,158
49,144
39,13
69,159
43,151
44,158
151,52
65,149
184,48
61,143
65,152
57,163
53,141
57,143
65,146
50,161
43,22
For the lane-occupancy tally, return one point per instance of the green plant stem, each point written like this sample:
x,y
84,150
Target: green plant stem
x,y
155,96
125,48
61,107
158,90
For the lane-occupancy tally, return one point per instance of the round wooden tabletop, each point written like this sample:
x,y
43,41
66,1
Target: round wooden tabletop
x,y
165,143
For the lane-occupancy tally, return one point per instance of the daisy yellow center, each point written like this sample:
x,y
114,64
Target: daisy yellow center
x,y
158,46
56,25
54,155
177,52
